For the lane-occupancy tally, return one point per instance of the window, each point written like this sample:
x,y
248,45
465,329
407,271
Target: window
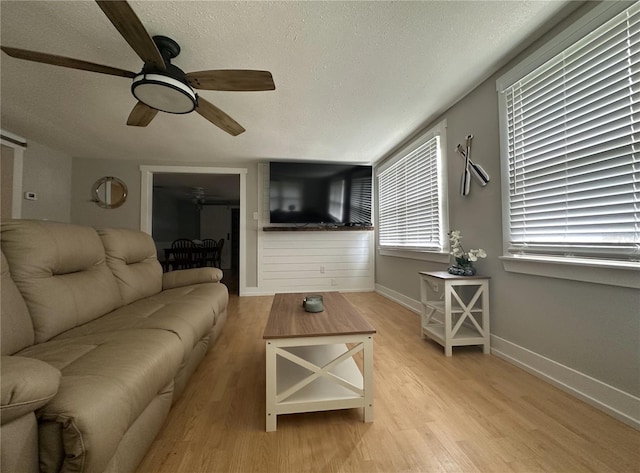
x,y
570,130
411,212
360,205
336,199
286,195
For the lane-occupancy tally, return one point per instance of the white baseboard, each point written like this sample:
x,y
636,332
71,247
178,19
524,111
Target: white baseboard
x,y
613,401
619,404
411,304
254,291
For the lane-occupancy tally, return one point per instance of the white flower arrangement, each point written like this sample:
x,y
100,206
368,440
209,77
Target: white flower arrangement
x,y
457,251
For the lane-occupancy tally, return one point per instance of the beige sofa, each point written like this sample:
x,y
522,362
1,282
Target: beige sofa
x,y
96,344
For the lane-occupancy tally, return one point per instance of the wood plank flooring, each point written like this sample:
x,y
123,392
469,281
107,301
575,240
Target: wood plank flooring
x,y
468,413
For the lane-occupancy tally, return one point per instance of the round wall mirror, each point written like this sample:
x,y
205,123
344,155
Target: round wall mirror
x,y
109,192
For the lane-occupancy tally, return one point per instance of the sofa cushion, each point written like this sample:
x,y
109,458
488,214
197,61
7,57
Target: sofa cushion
x,y
16,328
27,384
132,258
215,295
187,277
190,312
107,382
61,272
19,446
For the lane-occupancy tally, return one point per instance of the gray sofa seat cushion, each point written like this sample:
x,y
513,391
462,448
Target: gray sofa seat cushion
x,y
27,384
107,381
61,272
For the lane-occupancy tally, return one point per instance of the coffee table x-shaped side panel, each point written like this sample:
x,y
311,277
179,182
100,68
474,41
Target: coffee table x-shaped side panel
x,y
309,374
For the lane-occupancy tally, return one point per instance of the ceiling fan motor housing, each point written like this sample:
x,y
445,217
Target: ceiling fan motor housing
x,y
168,90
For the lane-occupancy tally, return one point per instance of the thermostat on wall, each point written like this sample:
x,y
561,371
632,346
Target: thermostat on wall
x,y
31,196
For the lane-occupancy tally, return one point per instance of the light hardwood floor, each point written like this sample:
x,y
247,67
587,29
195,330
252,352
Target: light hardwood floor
x,y
468,413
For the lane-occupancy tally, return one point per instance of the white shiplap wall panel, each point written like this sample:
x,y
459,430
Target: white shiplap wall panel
x,y
294,261
327,251
294,265
310,259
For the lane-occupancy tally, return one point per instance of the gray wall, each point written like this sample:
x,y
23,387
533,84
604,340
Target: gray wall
x,y
84,212
592,328
48,173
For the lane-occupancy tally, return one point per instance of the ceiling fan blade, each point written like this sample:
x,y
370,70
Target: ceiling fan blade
x,y
133,31
141,115
65,62
231,80
218,117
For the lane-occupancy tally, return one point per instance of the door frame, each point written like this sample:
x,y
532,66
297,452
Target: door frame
x,y
18,144
146,203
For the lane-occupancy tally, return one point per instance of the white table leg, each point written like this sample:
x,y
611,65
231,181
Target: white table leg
x,y
486,348
271,416
368,379
448,351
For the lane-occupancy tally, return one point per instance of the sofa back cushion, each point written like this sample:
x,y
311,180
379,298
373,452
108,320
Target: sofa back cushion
x,y
131,256
16,329
60,270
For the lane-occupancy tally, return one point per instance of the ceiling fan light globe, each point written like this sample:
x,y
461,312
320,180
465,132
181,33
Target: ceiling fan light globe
x,y
164,93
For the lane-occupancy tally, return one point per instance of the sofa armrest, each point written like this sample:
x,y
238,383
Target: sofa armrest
x,y
186,277
27,384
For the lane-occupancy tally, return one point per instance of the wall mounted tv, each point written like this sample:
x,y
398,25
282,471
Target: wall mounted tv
x,y
317,193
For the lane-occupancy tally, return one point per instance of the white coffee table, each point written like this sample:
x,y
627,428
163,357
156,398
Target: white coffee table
x,y
310,365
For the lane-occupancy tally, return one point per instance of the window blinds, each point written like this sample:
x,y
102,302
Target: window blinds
x,y
573,143
409,200
360,205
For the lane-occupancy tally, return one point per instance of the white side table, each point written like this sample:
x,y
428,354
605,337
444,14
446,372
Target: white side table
x,y
455,309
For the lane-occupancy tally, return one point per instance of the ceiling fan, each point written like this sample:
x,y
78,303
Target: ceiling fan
x,y
160,86
198,195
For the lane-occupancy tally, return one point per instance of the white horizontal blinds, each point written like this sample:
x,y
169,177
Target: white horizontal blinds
x,y
360,204
336,199
573,148
409,207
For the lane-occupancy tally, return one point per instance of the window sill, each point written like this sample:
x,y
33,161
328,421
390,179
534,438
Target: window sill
x,y
414,254
594,271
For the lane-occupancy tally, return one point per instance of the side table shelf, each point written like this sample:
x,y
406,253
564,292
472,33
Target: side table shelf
x,y
455,310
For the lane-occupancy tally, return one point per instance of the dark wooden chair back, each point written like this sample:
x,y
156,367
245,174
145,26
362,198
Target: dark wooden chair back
x,y
219,246
183,254
209,246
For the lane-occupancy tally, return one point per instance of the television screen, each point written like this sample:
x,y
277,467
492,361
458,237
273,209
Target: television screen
x,y
338,194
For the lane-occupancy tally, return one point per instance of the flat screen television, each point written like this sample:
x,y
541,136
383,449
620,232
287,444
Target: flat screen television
x,y
320,193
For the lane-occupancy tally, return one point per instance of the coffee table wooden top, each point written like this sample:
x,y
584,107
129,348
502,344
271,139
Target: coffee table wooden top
x,y
288,319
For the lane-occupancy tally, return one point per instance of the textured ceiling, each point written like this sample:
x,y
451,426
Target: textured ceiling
x,y
353,79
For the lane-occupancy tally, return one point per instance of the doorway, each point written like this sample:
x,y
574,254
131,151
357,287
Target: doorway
x,y
196,198
11,157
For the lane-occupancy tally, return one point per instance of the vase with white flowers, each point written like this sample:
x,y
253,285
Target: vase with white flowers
x,y
464,259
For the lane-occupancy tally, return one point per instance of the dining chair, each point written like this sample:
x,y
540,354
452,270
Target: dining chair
x,y
218,263
209,246
183,254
